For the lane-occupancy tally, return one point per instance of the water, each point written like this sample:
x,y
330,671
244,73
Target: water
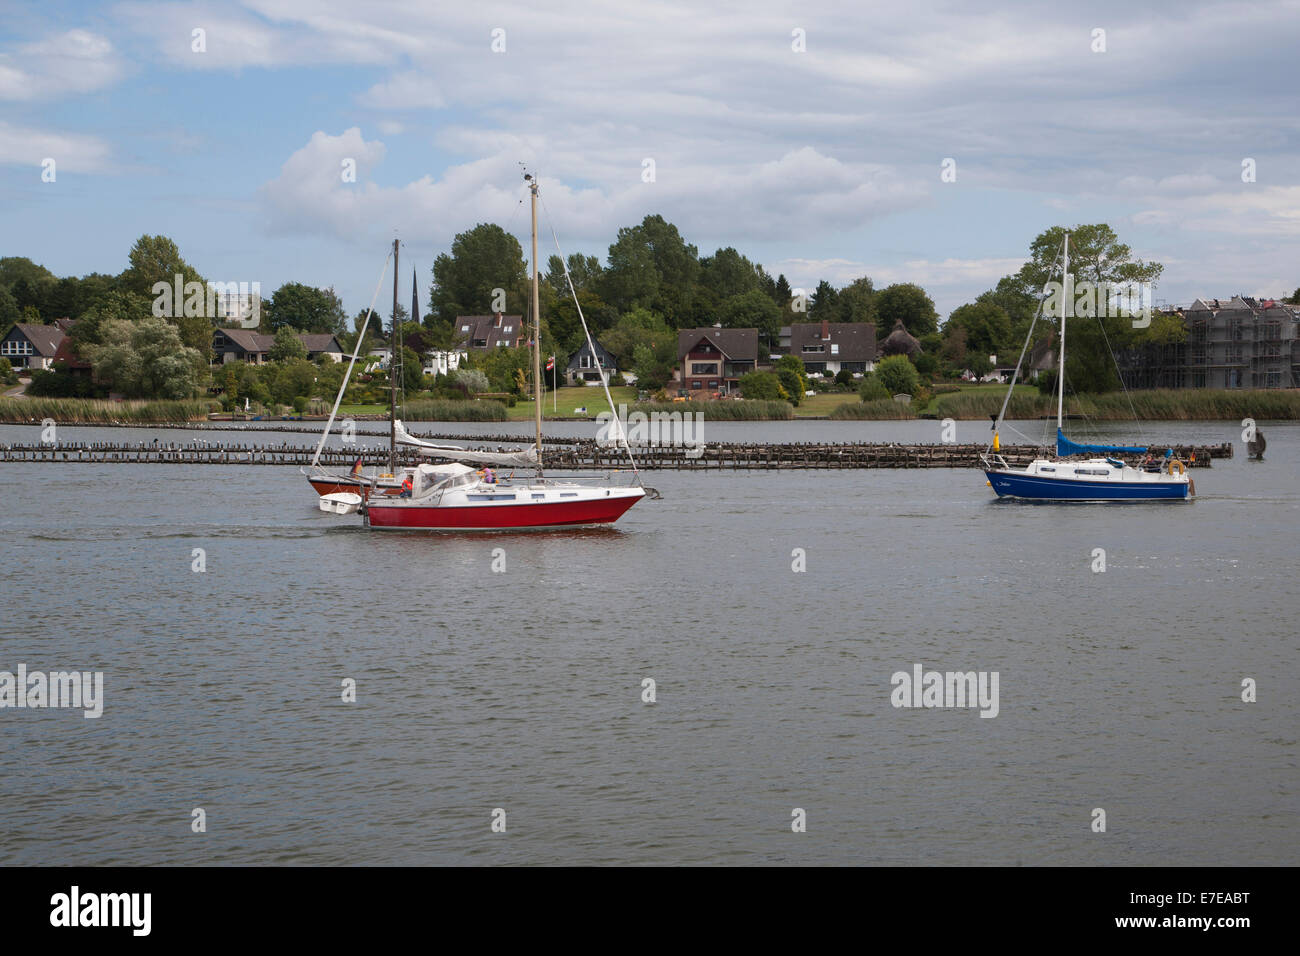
x,y
521,690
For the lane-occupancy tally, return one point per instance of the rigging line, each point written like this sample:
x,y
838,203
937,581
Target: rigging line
x,y
1131,407
361,336
1028,335
604,383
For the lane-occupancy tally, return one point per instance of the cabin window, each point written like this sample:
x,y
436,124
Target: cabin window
x,y
1047,469
568,494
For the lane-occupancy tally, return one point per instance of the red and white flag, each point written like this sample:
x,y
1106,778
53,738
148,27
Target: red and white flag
x,y
550,363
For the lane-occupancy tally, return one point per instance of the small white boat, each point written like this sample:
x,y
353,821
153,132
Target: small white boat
x,y
341,503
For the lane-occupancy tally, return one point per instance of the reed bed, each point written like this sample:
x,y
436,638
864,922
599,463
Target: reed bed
x,y
882,409
450,410
740,410
72,410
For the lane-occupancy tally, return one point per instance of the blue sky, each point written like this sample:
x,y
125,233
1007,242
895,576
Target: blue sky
x,y
823,163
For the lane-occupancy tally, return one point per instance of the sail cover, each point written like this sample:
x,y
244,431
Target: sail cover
x,y
1065,447
524,458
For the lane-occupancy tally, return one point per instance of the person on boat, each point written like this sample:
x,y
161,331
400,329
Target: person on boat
x,y
406,488
489,476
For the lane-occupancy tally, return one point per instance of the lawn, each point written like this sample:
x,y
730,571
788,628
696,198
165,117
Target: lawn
x,y
562,403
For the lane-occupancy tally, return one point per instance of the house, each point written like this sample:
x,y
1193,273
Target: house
x,y
321,343
245,345
31,346
714,359
66,355
900,342
582,368
443,362
1242,342
828,349
479,333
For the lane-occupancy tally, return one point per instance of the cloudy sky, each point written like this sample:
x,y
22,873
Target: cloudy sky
x,y
819,162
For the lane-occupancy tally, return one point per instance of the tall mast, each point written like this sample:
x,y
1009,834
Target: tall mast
x,y
537,331
393,347
1066,297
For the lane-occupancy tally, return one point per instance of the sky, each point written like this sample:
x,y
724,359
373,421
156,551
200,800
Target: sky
x,y
916,142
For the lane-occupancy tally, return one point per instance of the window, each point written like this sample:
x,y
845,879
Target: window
x,y
464,328
835,348
1046,468
713,384
814,348
17,347
704,368
506,329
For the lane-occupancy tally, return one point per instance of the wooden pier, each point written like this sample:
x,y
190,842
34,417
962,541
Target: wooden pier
x,y
584,454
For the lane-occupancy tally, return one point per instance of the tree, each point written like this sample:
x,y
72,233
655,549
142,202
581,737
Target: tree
x,y
906,301
306,309
482,260
651,266
472,380
9,310
146,359
898,375
763,386
986,325
287,346
752,310
782,293
793,375
1096,256
857,301
871,389
1295,296
156,259
729,274
653,365
824,303
13,268
639,327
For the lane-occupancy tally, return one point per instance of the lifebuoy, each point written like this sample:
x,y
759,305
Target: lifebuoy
x,y
1175,463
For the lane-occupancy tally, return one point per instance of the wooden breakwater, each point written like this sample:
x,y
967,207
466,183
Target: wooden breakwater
x,y
576,455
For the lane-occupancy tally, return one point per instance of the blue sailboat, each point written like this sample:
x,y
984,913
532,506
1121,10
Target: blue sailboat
x,y
1066,477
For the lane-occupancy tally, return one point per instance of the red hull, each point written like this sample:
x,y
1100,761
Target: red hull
x,y
557,514
332,486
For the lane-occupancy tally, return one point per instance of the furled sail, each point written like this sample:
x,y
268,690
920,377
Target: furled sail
x,y
524,458
1065,448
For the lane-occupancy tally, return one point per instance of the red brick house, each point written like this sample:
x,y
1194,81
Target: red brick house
x,y
713,360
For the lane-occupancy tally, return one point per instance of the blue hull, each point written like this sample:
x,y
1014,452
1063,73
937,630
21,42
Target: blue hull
x,y
1011,485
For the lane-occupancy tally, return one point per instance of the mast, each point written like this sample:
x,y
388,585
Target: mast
x,y
393,347
1066,296
537,331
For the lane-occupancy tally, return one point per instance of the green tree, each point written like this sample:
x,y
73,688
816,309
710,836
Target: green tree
x,y
898,375
481,260
986,325
794,376
287,346
752,310
652,266
763,386
728,273
652,365
306,309
1096,256
857,301
824,304
906,301
639,327
146,359
870,388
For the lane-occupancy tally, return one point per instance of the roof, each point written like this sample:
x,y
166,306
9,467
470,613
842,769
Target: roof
x,y
490,328
607,359
856,341
900,342
255,342
67,354
45,339
320,342
739,344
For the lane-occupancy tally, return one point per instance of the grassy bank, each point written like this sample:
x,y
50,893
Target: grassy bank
x,y
26,410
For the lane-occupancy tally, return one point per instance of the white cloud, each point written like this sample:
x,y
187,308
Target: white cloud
x,y
73,152
76,61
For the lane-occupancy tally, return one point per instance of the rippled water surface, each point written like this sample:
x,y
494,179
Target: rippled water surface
x,y
522,690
